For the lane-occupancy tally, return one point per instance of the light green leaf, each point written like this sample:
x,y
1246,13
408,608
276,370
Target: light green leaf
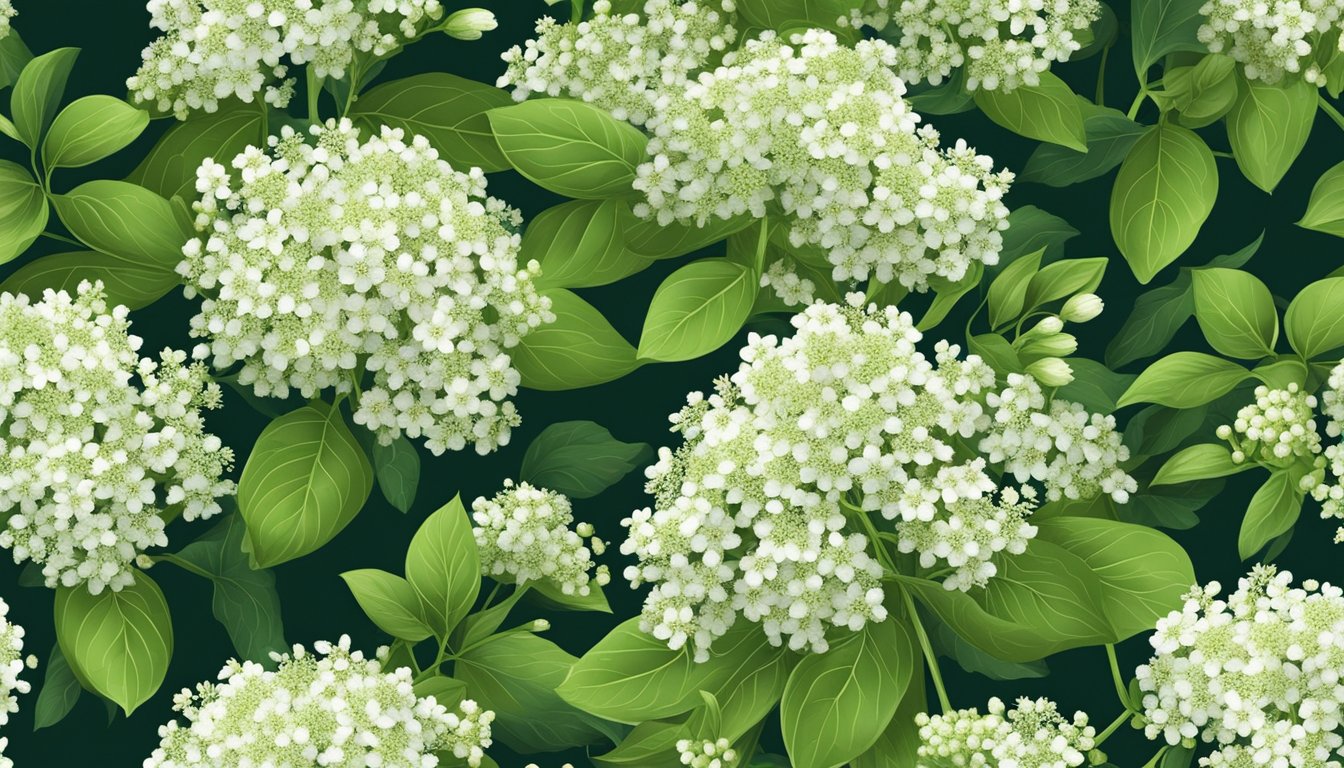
x,y
169,170
581,244
125,220
1163,194
59,693
1047,112
697,309
649,240
569,147
1325,211
444,568
37,93
783,15
305,480
1109,137
390,602
1269,126
1185,380
90,129
118,643
1236,312
23,210
899,743
448,110
1199,462
651,744
1162,27
397,467
1008,292
837,704
447,691
1095,386
1314,321
580,349
1063,279
579,459
551,597
1273,511
124,281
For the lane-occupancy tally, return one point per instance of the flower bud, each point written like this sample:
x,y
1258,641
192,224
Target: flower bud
x,y
1082,307
143,561
1053,345
469,23
1051,372
1048,325
540,625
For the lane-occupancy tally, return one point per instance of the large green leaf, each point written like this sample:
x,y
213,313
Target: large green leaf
x,y
697,309
1314,321
1110,135
1268,127
1273,511
1048,112
570,147
580,349
23,210
579,459
125,281
1325,211
126,220
581,244
1162,27
169,169
444,568
1236,312
305,480
390,602
448,110
90,129
37,93
1185,380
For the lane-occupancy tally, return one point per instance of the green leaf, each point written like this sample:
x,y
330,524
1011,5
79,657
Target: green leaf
x,y
125,282
837,704
1143,572
650,240
1153,323
1199,462
305,480
579,459
397,467
1110,135
245,600
90,129
126,220
390,602
59,693
1029,230
169,170
448,110
697,309
1314,321
996,350
515,676
1325,211
569,147
37,93
1273,511
551,597
1063,279
1269,126
899,743
1236,312
948,643
1162,27
1164,192
651,744
581,244
14,56
1185,380
1008,292
1202,94
783,15
118,643
23,210
1047,112
580,349
447,691
1095,386
444,568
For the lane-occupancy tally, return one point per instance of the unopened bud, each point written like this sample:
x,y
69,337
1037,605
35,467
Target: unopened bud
x,y
540,625
1082,307
1047,326
144,562
1051,372
469,23
1053,345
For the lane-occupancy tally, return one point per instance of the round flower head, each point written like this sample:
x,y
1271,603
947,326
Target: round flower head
x,y
7,14
1032,735
99,444
213,50
1277,428
1256,674
318,262
334,708
523,533
707,753
752,513
1275,39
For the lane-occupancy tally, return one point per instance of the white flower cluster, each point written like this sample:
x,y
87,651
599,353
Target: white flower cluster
x,y
820,131
1273,39
1277,428
523,533
1001,44
212,50
1328,489
707,753
7,14
782,278
620,62
334,708
753,514
321,261
12,664
1032,735
1257,674
91,462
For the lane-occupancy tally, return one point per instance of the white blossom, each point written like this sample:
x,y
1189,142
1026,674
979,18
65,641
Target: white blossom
x,y
334,708
1256,674
100,445
12,664
318,262
1274,39
212,50
1277,428
707,753
1032,735
7,14
1326,483
757,514
523,534
782,278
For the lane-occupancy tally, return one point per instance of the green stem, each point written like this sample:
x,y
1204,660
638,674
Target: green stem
x,y
576,10
929,657
1101,77
314,90
63,239
1138,102
1329,109
1112,728
1116,678
1228,155
439,658
762,241
185,565
1156,757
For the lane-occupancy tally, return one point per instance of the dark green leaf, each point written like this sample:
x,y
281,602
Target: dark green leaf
x,y
60,691
169,169
448,110
1110,135
579,459
580,349
397,467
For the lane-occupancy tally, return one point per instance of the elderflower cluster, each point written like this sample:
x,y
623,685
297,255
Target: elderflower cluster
x,y
707,753
318,262
12,664
1326,483
1257,674
1032,735
100,444
820,131
758,513
212,50
1274,39
7,14
333,708
620,62
523,533
1277,427
782,278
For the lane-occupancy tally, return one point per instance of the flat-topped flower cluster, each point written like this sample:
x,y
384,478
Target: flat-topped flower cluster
x,y
7,14
335,708
1326,484
99,443
1275,39
1031,735
1277,428
213,50
524,535
756,514
321,260
12,664
1257,674
807,127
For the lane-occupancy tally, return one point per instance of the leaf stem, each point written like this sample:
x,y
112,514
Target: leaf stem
x,y
314,90
1112,728
185,565
1138,102
1329,109
1157,757
1101,77
929,657
576,11
1117,678
63,239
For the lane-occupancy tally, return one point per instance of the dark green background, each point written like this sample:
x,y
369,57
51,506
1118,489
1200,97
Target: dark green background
x,y
315,601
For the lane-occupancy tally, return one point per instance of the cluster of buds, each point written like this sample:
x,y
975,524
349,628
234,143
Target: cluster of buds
x,y
1043,347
